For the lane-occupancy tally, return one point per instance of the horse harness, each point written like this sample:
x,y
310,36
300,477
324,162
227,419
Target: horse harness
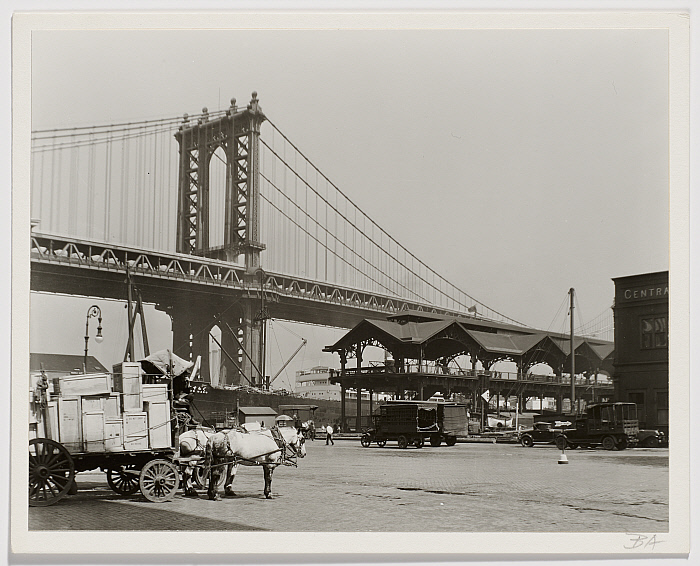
x,y
282,445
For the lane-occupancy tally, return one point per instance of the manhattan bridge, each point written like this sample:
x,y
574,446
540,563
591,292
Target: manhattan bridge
x,y
219,219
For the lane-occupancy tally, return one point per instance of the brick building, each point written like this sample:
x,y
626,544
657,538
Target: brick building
x,y
641,346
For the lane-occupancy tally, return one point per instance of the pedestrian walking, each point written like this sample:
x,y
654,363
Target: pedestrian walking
x,y
329,434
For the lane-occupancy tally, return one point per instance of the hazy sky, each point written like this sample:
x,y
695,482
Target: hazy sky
x,y
516,163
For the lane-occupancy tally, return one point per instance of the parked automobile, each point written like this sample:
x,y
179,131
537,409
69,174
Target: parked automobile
x,y
541,433
647,438
614,426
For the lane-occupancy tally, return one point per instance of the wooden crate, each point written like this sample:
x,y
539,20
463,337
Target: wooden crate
x,y
132,395
157,393
112,407
110,404
135,431
70,424
114,435
94,431
86,384
158,424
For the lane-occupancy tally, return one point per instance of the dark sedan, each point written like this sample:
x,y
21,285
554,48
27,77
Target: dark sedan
x,y
542,433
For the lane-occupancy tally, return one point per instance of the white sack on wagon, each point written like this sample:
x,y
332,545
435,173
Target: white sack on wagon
x,y
162,361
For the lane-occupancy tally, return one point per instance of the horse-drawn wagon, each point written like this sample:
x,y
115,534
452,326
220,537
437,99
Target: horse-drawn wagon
x,y
129,425
412,422
119,423
302,418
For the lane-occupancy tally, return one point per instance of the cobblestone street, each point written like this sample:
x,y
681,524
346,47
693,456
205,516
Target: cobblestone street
x,y
465,488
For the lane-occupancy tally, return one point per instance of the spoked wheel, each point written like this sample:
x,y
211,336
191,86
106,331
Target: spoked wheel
x,y
403,441
124,479
365,440
201,477
159,480
381,443
608,443
51,472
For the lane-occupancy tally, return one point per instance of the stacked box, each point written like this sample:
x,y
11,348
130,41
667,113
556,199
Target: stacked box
x,y
86,384
157,408
136,431
114,435
94,431
132,398
69,424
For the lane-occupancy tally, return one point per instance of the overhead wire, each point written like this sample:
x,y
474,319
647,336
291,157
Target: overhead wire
x,y
382,231
333,236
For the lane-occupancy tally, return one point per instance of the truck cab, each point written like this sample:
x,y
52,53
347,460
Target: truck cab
x,y
612,425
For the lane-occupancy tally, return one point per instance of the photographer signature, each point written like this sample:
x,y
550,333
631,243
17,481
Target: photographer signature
x,y
642,542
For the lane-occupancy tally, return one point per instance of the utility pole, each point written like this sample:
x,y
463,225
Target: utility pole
x,y
573,354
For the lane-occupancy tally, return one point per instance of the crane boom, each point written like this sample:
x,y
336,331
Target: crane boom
x,y
303,343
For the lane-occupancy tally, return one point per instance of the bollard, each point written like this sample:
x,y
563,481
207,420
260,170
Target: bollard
x,y
562,457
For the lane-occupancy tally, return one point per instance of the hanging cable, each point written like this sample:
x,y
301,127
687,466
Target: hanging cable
x,y
382,231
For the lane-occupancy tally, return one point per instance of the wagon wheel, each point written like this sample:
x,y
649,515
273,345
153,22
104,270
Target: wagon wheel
x,y
403,441
419,442
609,443
381,443
365,440
435,440
124,479
159,480
51,472
201,477
451,440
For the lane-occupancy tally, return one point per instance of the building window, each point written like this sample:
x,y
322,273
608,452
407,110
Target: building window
x,y
662,408
654,333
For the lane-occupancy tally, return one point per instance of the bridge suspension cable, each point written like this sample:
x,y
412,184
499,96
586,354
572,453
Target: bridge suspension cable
x,y
377,262
118,183
600,326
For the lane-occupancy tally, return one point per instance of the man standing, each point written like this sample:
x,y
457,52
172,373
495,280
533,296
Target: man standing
x,y
329,434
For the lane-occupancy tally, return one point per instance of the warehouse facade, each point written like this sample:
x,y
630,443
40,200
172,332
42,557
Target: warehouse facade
x,y
641,346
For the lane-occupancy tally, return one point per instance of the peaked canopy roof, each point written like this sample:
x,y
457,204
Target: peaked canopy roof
x,y
417,335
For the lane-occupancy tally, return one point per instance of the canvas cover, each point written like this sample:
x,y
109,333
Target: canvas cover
x,y
162,360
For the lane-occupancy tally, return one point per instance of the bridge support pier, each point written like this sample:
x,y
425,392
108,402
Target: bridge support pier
x,y
192,322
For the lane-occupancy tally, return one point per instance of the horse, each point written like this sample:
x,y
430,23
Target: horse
x,y
265,447
192,445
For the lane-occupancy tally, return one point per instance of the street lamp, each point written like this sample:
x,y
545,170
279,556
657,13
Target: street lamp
x,y
94,310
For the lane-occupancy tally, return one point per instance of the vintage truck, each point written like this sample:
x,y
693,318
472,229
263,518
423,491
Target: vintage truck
x,y
614,426
412,422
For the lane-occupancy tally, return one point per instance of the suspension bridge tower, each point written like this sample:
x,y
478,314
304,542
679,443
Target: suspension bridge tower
x,y
235,135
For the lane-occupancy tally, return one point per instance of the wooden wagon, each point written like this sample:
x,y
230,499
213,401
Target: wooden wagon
x,y
113,422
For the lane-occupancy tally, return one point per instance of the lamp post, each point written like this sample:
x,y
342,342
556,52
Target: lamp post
x,y
94,310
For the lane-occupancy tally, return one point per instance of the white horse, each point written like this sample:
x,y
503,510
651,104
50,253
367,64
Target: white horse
x,y
193,445
266,447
